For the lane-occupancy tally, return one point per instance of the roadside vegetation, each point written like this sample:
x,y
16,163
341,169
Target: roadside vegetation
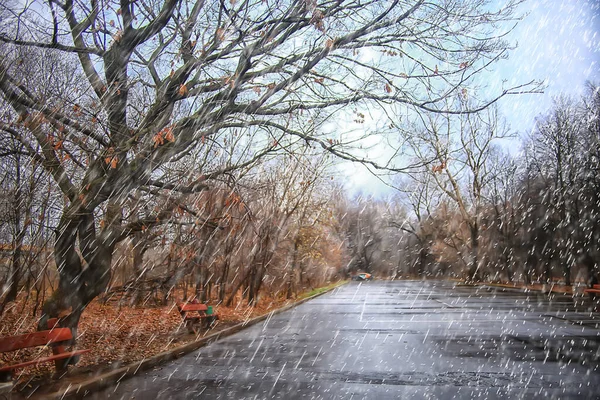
x,y
526,214
120,334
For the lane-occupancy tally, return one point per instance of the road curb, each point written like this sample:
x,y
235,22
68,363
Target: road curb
x,y
82,389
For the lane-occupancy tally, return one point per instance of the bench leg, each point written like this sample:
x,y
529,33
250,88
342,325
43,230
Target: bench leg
x,y
208,322
61,365
6,385
6,390
191,327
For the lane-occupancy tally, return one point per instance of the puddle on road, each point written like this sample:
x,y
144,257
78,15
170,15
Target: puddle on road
x,y
580,350
477,379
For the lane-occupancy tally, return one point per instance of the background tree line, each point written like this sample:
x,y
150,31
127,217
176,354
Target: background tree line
x,y
480,210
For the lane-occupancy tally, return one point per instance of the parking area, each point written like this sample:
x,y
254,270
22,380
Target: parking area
x,y
390,340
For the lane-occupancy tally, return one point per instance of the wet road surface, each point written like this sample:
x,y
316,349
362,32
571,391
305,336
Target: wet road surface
x,y
395,340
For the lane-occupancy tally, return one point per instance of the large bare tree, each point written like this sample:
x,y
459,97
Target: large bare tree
x,y
456,153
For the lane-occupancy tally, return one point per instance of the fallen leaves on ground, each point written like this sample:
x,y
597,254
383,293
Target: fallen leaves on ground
x,y
116,334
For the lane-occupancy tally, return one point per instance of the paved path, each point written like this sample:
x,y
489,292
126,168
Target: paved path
x,y
394,340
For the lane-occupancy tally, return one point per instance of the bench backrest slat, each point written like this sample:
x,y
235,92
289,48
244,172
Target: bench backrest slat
x,y
596,286
192,307
35,339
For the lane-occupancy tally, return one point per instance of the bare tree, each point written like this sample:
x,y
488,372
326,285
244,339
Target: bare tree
x,y
503,217
456,152
26,201
562,158
588,253
366,224
420,193
280,202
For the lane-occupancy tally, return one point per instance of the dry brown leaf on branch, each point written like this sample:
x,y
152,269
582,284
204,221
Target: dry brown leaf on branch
x,y
183,90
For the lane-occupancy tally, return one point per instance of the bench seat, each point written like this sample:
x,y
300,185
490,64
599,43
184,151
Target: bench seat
x,y
55,338
594,289
194,313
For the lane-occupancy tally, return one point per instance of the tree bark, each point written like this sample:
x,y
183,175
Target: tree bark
x,y
292,274
474,262
81,278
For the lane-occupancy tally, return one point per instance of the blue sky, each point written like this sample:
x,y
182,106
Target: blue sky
x,y
558,42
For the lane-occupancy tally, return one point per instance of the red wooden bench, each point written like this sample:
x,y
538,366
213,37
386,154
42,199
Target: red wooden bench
x,y
195,315
593,291
56,338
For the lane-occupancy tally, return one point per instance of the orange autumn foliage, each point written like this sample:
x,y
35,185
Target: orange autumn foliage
x,y
164,135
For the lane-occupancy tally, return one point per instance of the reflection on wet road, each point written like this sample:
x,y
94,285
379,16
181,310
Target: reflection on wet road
x,y
392,340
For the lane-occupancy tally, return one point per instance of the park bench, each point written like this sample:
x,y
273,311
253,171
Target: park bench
x,y
195,315
56,338
593,291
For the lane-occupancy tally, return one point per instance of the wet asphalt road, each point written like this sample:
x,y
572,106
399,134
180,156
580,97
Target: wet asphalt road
x,y
395,340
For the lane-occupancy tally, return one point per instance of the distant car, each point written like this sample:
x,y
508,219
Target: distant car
x,y
362,277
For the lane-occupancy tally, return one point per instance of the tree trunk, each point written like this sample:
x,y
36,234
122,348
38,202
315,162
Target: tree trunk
x,y
237,287
590,265
422,261
292,273
252,285
474,262
256,278
138,250
548,271
202,287
14,276
530,266
16,266
223,280
566,270
81,279
508,263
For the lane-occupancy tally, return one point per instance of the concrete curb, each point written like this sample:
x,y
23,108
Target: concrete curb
x,y
106,379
